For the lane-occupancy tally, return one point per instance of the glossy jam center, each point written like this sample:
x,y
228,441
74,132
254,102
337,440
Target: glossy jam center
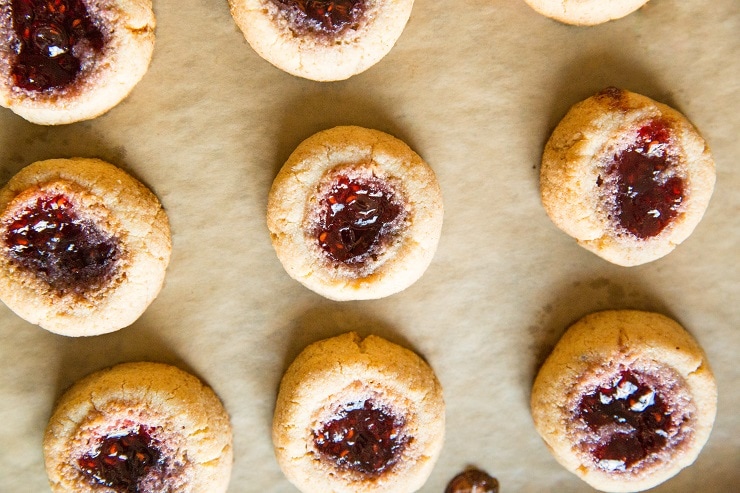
x,y
328,16
362,438
52,35
65,251
122,462
472,481
635,417
648,194
356,215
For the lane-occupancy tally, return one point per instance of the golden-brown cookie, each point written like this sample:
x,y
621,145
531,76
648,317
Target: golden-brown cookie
x,y
322,40
83,246
355,214
358,416
585,12
64,61
144,427
629,178
626,400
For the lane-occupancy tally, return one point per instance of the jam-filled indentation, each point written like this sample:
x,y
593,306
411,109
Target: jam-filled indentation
x,y
362,437
358,218
629,420
52,36
647,190
472,481
323,16
68,252
122,461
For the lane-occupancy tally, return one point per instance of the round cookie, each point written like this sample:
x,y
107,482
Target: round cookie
x,y
72,60
585,12
83,246
358,416
322,40
625,400
629,178
144,427
355,214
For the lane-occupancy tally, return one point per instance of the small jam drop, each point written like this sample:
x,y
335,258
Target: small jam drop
x,y
362,438
356,216
62,249
472,481
47,32
636,412
122,462
648,195
328,16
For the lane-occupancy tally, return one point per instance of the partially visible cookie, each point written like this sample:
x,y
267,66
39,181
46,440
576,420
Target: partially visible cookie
x,y
358,416
355,214
585,12
322,40
139,427
626,176
625,400
64,61
83,246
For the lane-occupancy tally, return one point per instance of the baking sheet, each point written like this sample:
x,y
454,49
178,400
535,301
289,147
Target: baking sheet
x,y
475,87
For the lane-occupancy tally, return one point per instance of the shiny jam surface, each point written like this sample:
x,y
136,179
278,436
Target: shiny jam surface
x,y
355,217
122,462
362,438
51,36
648,194
65,251
630,419
327,16
472,481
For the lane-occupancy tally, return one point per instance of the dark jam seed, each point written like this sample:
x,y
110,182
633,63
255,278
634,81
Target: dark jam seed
x,y
356,214
362,438
65,251
328,16
47,32
472,481
638,415
648,197
122,461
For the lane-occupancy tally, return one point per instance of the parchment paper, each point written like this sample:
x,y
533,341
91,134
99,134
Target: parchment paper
x,y
475,87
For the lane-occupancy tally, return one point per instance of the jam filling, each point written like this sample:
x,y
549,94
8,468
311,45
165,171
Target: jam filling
x,y
362,438
323,16
52,35
472,481
630,419
122,462
648,194
356,216
62,249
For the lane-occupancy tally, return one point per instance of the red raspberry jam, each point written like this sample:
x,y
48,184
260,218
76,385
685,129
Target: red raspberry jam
x,y
67,252
472,481
363,438
648,193
629,419
357,218
122,461
52,37
323,16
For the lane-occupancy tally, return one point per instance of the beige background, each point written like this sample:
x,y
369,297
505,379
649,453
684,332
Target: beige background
x,y
475,87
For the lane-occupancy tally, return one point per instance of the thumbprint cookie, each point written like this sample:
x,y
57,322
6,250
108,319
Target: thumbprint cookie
x,y
322,40
63,61
83,246
358,416
139,427
626,400
629,178
585,12
355,214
